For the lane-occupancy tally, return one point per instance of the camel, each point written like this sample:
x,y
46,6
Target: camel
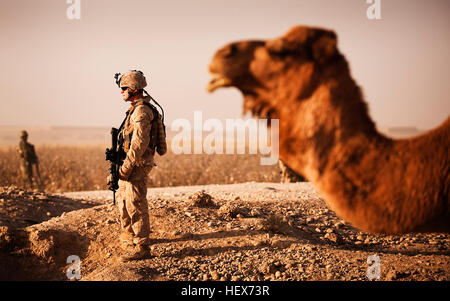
x,y
377,184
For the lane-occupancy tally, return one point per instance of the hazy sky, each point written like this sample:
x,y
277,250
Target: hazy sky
x,y
56,71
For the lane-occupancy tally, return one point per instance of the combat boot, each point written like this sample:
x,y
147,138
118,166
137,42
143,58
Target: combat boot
x,y
140,252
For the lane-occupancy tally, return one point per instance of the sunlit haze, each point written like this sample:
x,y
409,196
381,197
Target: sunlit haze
x,y
59,72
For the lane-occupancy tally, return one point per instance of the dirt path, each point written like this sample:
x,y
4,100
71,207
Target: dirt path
x,y
250,231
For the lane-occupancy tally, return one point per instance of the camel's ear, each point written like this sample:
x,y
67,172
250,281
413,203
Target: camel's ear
x,y
324,47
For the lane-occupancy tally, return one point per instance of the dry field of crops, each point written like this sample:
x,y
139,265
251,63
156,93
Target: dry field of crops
x,y
79,168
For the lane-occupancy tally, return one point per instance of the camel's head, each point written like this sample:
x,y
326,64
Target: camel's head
x,y
272,73
231,65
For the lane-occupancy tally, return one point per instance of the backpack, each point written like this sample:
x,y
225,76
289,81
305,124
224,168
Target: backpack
x,y
157,131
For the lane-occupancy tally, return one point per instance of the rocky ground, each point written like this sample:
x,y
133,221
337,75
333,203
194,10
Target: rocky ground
x,y
249,231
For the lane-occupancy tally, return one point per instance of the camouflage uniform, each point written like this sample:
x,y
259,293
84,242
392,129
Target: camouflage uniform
x,y
27,159
132,193
288,175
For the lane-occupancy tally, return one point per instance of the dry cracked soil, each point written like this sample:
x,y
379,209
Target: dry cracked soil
x,y
249,231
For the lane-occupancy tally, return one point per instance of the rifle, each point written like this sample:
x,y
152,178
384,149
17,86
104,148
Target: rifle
x,y
115,155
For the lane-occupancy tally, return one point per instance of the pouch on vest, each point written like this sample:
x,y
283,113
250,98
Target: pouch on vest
x,y
157,133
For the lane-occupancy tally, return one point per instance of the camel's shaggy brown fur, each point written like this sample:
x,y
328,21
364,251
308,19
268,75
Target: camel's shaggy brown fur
x,y
378,184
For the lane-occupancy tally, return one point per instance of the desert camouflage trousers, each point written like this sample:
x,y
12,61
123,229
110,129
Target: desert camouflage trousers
x,y
133,205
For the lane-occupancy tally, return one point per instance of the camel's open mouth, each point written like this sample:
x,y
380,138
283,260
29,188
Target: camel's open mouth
x,y
218,81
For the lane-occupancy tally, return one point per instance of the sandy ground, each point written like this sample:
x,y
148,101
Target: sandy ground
x,y
249,231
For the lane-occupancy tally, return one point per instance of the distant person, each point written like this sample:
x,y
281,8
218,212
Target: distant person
x,y
132,192
28,159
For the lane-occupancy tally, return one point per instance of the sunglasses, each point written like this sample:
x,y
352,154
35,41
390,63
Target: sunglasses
x,y
123,88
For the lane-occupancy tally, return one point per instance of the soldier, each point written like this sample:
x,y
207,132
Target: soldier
x,y
28,158
132,193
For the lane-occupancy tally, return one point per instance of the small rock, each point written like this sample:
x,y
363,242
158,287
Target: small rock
x,y
255,212
48,213
301,221
41,197
215,261
215,275
333,237
391,275
201,199
231,210
277,274
338,225
235,278
224,278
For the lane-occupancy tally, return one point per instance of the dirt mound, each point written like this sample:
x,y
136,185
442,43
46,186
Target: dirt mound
x,y
201,199
200,243
21,208
21,246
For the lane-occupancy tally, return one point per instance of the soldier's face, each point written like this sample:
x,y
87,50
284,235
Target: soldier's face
x,y
126,93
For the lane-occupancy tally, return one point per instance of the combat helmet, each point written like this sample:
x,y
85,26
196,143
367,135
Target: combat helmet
x,y
23,134
133,79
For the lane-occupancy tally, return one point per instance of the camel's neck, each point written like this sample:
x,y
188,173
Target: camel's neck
x,y
331,128
369,180
333,143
